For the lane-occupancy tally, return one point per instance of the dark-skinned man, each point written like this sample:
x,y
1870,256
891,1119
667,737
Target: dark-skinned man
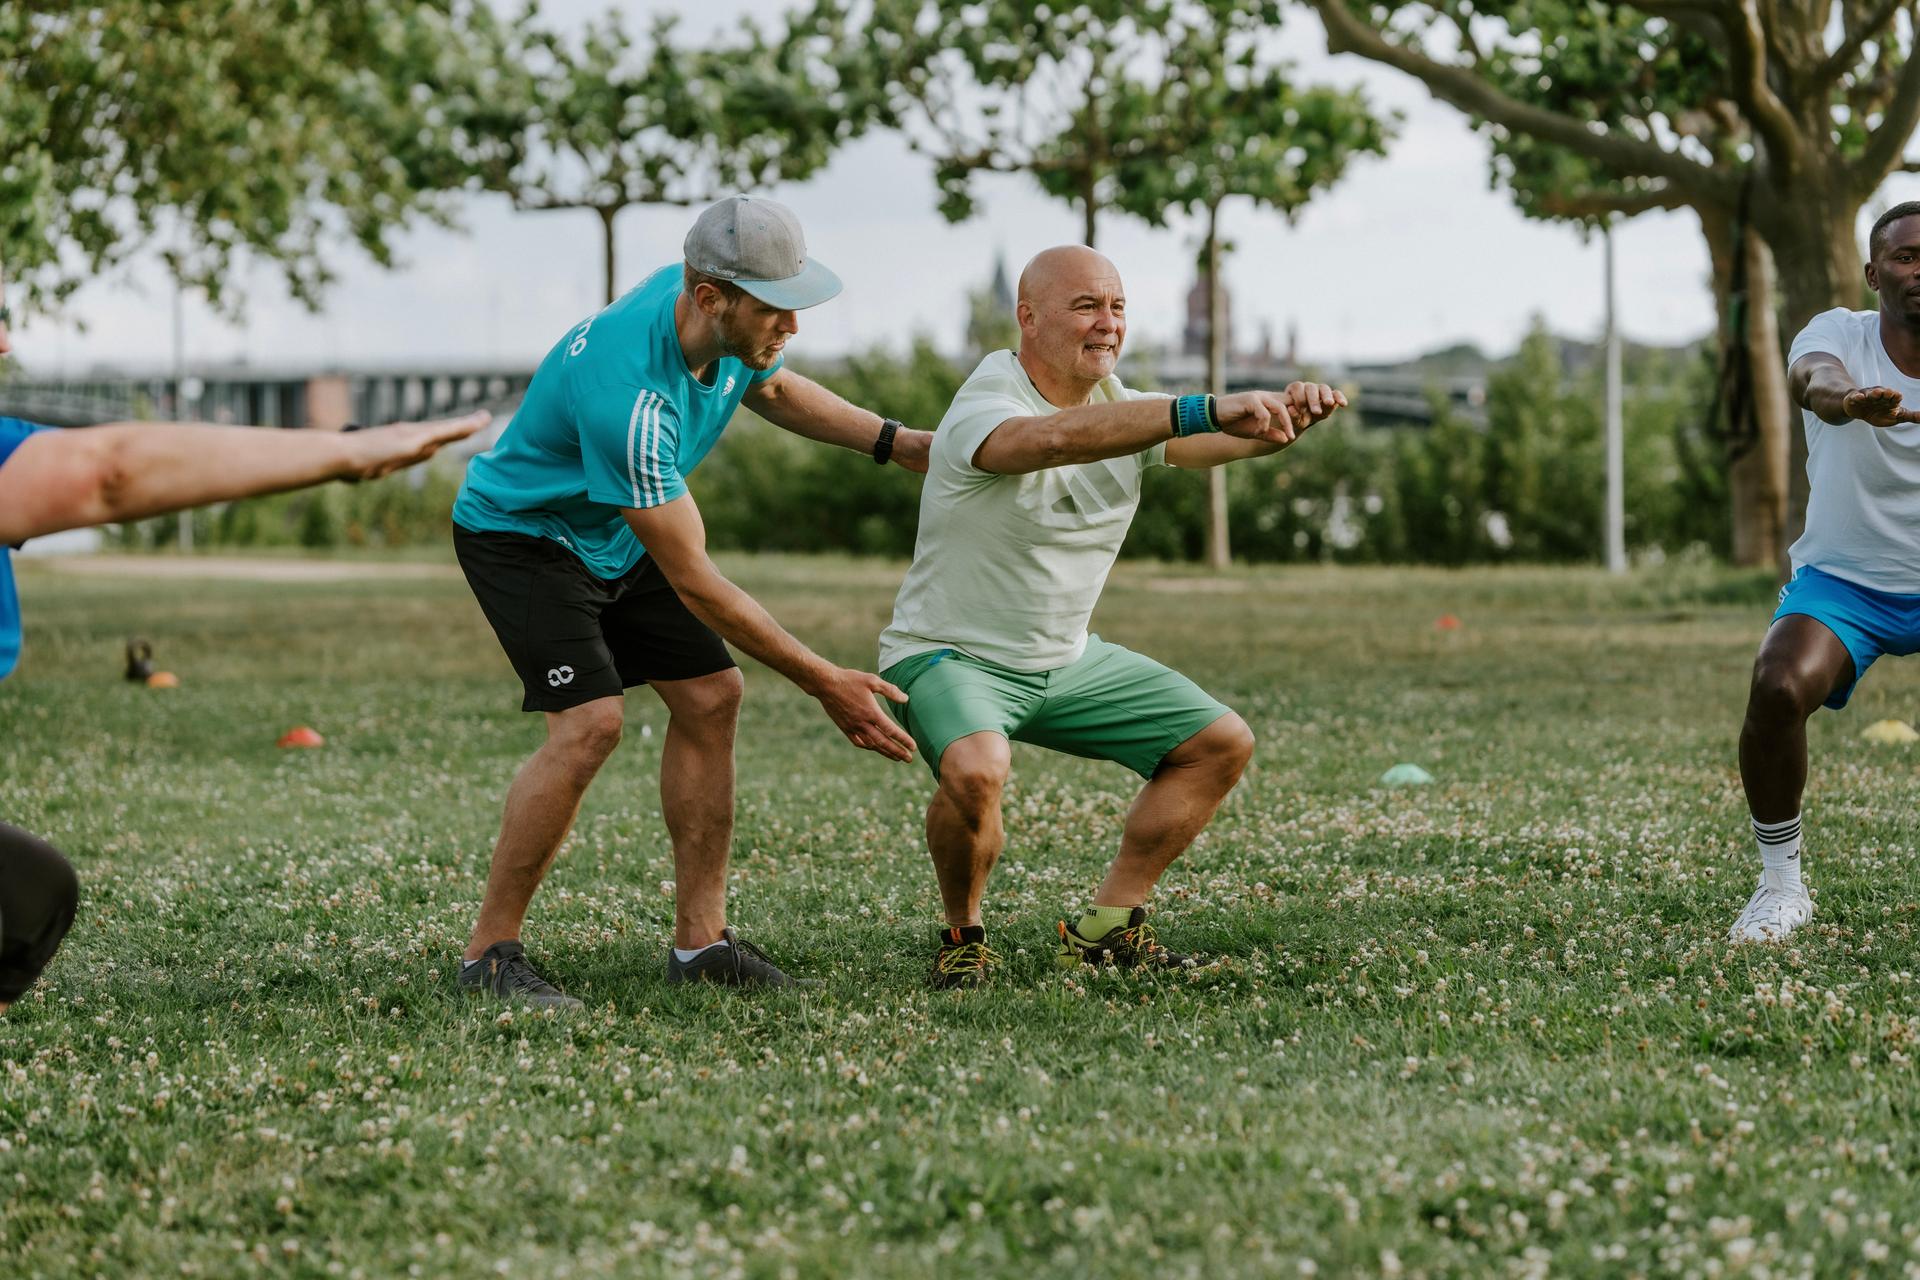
x,y
1035,475
51,480
1855,591
589,558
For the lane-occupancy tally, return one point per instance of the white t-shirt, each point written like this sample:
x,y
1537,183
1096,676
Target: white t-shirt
x,y
1863,508
1008,568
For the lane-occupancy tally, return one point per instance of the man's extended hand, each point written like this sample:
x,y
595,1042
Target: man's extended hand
x,y
1276,417
847,696
385,450
1313,402
911,449
1877,407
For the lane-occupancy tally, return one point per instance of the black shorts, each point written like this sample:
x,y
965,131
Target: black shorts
x,y
573,636
38,897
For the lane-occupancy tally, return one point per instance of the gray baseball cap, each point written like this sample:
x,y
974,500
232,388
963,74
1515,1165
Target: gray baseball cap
x,y
757,245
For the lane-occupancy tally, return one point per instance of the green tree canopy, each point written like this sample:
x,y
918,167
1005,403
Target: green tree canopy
x,y
1781,119
611,121
262,127
1063,93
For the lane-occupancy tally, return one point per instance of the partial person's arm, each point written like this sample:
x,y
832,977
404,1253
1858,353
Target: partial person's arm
x,y
676,537
1820,384
1312,402
1091,432
806,408
130,470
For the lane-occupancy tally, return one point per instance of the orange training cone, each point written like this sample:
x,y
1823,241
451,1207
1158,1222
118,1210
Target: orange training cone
x,y
301,736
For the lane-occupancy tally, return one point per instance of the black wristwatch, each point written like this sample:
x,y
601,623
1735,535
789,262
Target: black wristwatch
x,y
883,447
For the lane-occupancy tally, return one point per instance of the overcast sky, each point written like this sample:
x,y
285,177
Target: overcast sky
x,y
1408,253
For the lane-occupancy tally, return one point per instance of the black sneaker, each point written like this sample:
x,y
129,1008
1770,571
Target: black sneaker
x,y
964,958
1125,946
504,971
738,964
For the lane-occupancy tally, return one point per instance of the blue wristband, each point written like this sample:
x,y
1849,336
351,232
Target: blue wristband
x,y
1193,415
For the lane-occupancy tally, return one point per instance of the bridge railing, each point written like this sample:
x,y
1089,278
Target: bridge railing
x,y
328,400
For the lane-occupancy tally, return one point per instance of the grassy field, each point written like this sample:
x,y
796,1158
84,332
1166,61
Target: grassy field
x,y
1487,1027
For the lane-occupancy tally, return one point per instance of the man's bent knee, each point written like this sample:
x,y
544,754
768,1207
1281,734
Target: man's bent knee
x,y
973,770
705,702
1782,693
1224,747
588,733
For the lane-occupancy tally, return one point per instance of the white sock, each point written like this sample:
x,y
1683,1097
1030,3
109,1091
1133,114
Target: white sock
x,y
684,956
1780,853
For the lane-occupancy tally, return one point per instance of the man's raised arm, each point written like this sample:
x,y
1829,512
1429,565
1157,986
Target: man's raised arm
x,y
130,470
676,537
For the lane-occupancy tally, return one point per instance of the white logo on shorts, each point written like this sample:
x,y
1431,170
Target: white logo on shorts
x,y
559,676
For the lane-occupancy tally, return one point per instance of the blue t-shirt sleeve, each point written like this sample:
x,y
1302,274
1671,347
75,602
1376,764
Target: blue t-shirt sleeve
x,y
629,445
12,432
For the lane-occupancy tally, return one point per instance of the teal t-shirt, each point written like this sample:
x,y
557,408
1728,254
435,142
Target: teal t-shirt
x,y
613,419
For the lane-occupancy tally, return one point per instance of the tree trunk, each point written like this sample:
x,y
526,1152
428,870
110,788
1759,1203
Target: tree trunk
x,y
1757,470
1820,261
1219,544
1089,208
607,215
1773,412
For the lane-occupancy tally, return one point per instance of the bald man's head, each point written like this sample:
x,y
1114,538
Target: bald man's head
x,y
1061,266
1073,319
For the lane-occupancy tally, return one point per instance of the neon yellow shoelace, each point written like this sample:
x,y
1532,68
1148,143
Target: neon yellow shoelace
x,y
967,957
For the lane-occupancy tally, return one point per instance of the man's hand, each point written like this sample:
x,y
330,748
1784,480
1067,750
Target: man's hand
x,y
1256,415
1276,417
847,697
1877,407
385,450
911,449
1313,402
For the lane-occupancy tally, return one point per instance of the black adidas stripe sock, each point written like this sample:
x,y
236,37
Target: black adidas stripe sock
x,y
1780,852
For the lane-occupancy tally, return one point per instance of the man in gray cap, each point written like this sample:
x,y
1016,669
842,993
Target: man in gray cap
x,y
588,555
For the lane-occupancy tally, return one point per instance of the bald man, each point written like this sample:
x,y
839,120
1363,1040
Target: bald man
x,y
1034,477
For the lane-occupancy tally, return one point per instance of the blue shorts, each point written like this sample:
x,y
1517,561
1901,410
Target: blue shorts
x,y
1868,622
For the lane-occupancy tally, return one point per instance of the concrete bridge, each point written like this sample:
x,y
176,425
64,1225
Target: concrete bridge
x,y
267,398
1382,397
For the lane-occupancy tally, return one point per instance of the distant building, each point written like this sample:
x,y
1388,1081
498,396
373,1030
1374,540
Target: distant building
x,y
991,324
1199,304
1001,288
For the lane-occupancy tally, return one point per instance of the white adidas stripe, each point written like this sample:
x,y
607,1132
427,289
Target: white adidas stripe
x,y
651,462
632,430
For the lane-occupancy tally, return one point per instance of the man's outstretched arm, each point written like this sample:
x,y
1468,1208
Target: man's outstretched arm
x,y
1311,402
676,537
1820,384
806,408
1091,432
130,470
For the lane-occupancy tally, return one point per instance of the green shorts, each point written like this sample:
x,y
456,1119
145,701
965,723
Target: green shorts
x,y
1113,704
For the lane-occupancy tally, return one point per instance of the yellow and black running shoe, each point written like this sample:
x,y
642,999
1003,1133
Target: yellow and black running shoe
x,y
1127,946
964,958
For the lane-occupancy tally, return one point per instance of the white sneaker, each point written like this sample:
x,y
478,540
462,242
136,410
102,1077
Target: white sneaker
x,y
1772,913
